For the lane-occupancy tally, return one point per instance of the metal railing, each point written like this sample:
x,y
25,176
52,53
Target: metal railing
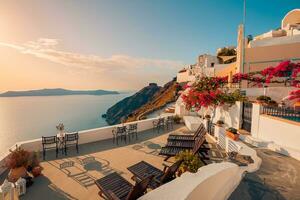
x,y
211,128
286,113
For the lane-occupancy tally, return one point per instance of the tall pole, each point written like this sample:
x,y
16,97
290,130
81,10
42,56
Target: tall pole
x,y
244,36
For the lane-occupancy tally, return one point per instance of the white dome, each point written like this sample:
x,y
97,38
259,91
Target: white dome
x,y
292,17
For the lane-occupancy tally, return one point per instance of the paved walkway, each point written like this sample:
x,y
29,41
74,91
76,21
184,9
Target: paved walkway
x,y
278,178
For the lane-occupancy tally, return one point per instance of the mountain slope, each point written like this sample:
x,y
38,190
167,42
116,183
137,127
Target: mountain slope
x,y
166,94
125,107
148,99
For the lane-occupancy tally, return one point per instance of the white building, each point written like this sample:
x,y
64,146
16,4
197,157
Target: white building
x,y
204,67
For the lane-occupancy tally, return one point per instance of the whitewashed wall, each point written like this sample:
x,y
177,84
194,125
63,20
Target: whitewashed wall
x,y
281,132
275,133
186,76
230,115
276,93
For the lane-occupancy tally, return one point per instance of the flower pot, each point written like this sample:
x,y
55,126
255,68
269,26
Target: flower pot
x,y
17,173
36,171
233,136
219,124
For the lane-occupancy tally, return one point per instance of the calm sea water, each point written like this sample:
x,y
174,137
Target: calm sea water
x,y
25,118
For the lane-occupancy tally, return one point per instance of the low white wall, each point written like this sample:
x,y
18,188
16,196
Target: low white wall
x,y
276,93
214,181
272,41
186,76
279,131
274,133
230,145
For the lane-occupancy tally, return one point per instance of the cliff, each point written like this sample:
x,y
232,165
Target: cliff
x,y
138,105
166,94
125,107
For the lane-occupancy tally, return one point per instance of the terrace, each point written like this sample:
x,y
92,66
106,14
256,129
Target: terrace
x,y
73,176
77,182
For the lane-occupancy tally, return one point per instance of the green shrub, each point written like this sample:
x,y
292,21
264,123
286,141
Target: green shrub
x,y
263,98
232,130
177,119
190,162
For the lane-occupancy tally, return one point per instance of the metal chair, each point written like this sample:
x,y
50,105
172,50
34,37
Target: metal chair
x,y
169,123
159,124
119,132
132,130
71,139
49,143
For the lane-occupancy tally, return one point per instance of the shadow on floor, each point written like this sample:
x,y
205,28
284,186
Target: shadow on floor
x,y
45,190
252,187
277,178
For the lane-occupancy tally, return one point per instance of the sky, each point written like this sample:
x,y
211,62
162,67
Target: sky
x,y
118,44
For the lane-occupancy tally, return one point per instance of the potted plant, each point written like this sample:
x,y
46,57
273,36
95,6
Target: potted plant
x,y
17,162
263,99
232,133
34,164
177,119
272,103
207,117
191,162
220,123
61,128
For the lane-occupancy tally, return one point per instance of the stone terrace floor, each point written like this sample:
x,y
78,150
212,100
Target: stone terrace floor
x,y
77,182
277,179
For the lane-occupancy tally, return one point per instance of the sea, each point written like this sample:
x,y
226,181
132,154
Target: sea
x,y
26,118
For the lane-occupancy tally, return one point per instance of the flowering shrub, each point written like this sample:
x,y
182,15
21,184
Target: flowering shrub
x,y
17,158
295,95
285,70
197,98
208,90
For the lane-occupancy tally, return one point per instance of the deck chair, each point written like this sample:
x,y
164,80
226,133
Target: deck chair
x,y
173,151
188,144
187,137
115,187
143,169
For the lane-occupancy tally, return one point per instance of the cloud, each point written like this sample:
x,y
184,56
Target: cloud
x,y
47,48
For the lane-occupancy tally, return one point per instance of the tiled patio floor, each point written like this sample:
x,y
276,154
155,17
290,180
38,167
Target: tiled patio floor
x,y
77,182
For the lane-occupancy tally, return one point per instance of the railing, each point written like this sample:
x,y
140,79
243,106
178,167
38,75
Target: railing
x,y
211,128
285,113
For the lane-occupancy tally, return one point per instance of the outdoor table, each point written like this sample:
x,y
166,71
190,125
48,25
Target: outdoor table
x,y
142,170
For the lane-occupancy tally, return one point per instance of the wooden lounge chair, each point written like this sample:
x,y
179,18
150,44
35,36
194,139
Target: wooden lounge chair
x,y
143,169
187,137
115,187
173,151
189,144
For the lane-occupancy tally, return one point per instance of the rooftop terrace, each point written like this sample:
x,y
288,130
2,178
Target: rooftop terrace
x,y
94,161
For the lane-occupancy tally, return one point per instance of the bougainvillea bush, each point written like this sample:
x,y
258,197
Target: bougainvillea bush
x,y
285,72
210,91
